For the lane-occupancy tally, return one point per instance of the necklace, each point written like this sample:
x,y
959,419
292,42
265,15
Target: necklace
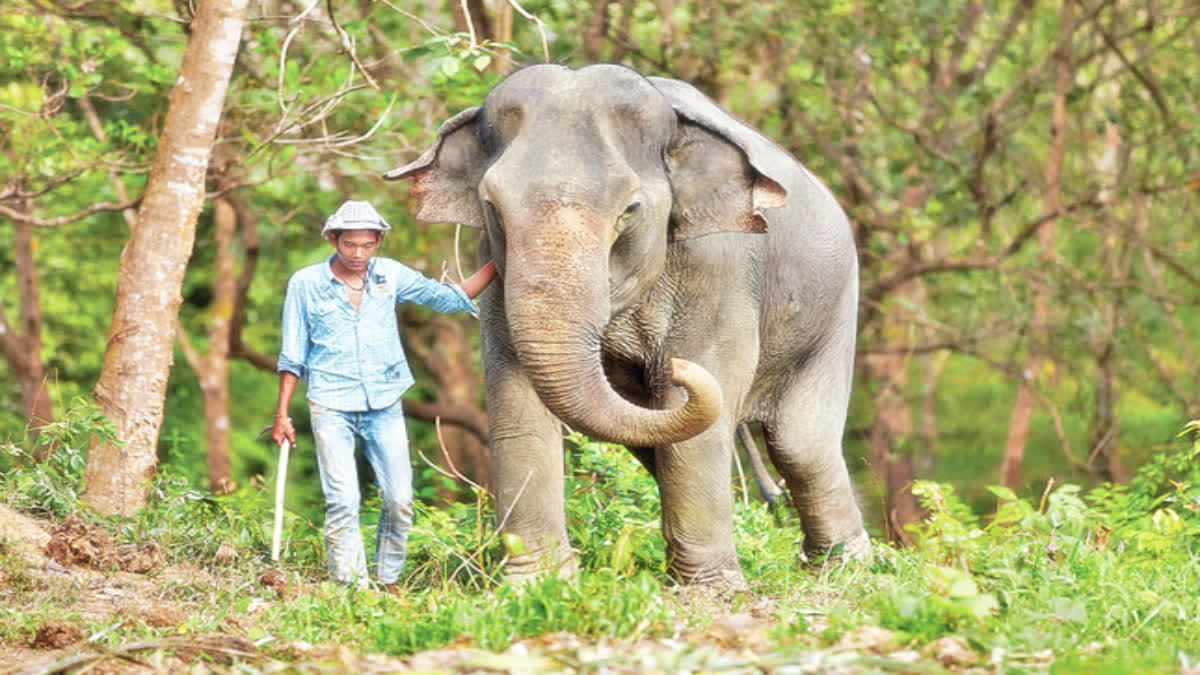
x,y
363,282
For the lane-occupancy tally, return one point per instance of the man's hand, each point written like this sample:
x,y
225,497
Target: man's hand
x,y
283,424
474,284
283,429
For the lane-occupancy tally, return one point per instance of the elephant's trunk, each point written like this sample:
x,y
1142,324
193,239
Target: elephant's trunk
x,y
557,301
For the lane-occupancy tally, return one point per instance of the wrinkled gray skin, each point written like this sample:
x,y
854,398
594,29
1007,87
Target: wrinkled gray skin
x,y
667,273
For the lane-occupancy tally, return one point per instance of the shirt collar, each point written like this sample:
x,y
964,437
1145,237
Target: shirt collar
x,y
327,268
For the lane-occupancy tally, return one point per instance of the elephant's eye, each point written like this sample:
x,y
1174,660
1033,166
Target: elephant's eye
x,y
631,210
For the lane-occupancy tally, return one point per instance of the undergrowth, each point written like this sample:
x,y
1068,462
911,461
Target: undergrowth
x,y
1071,579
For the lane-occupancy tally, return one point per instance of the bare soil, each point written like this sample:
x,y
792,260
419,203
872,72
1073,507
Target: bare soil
x,y
83,580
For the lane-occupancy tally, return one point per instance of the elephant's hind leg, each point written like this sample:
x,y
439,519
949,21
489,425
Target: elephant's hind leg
x,y
804,439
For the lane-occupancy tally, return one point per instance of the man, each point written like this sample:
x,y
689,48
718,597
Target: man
x,y
340,332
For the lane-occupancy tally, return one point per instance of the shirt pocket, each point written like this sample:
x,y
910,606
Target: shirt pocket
x,y
325,323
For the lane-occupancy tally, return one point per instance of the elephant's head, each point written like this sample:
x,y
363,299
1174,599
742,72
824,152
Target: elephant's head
x,y
581,179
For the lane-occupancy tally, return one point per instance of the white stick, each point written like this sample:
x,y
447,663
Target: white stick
x,y
280,482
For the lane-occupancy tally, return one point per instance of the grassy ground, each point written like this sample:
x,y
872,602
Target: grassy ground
x,y
1103,582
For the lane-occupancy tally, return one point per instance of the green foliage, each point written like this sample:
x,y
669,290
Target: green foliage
x,y
52,487
1074,568
598,603
852,90
613,504
1078,578
1158,511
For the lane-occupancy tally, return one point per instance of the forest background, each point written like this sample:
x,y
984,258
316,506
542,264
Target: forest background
x,y
1022,178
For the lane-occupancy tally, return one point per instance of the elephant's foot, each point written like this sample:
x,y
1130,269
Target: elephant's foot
x,y
523,569
716,573
856,548
723,581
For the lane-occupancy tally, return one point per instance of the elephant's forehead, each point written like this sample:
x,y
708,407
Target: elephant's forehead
x,y
551,93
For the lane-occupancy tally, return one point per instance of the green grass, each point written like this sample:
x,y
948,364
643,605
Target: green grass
x,y
1107,580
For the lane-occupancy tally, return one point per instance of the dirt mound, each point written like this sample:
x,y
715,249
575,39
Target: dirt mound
x,y
156,615
77,542
276,581
56,635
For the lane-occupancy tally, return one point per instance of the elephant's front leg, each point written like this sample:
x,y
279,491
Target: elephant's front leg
x,y
697,505
527,470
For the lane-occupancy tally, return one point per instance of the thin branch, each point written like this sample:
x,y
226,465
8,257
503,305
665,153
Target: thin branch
x,y
13,189
466,10
1010,28
958,46
1059,428
349,45
464,417
193,358
1147,81
1186,399
427,26
912,270
1167,259
919,132
1002,102
299,121
541,27
959,346
260,360
11,345
437,425
517,498
235,650
283,50
737,461
63,220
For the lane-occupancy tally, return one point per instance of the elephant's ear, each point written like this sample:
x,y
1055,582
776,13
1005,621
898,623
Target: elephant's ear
x,y
445,178
722,172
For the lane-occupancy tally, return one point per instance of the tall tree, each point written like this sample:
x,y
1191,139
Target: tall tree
x,y
212,366
23,349
133,380
1052,204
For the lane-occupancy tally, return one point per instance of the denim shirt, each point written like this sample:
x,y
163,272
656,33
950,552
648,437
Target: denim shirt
x,y
352,360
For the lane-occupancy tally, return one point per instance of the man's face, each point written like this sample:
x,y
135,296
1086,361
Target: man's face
x,y
355,248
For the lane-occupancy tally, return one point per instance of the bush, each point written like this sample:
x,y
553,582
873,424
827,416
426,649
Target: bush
x,y
52,487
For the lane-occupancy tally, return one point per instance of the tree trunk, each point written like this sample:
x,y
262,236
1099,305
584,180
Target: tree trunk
x,y
470,16
1104,460
504,33
1022,413
133,379
595,35
892,430
214,373
23,348
248,226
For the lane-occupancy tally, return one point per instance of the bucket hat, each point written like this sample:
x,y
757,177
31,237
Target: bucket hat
x,y
355,215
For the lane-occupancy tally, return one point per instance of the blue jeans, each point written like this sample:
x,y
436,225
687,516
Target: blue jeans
x,y
385,443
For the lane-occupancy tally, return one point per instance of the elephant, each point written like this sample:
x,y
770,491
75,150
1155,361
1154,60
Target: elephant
x,y
666,274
